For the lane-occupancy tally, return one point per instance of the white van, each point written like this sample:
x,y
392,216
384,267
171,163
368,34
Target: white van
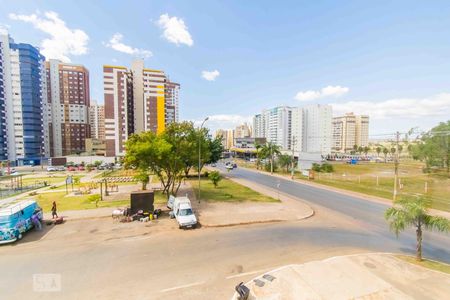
x,y
182,211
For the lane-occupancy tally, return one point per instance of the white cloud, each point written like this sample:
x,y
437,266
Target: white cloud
x,y
224,121
210,75
63,40
328,91
116,43
175,31
438,105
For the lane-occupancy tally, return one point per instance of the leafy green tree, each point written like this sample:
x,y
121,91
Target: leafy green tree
x,y
169,155
215,177
94,198
413,212
269,151
143,178
215,149
434,147
285,161
97,163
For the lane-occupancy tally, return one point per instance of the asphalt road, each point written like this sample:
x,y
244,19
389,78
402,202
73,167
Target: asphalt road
x,y
105,260
365,213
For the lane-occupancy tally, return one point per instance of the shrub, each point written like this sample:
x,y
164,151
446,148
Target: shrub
x,y
327,168
215,177
94,198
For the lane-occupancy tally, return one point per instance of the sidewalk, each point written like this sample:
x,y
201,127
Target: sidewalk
x,y
361,276
221,214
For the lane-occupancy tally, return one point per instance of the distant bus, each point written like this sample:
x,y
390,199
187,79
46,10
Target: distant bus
x,y
17,218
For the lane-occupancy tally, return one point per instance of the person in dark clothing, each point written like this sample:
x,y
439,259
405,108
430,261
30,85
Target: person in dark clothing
x,y
54,214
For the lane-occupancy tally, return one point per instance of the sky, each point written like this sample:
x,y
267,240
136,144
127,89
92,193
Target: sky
x,y
387,59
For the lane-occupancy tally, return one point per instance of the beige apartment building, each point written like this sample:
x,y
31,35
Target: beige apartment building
x,y
97,120
242,131
350,130
136,100
67,105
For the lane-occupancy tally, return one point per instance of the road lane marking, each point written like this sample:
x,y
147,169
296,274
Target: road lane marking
x,y
182,286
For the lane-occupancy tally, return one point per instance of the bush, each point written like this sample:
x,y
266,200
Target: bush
x,y
215,177
325,168
316,167
267,166
94,198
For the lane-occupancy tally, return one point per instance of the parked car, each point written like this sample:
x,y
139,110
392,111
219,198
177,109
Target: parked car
x,y
71,168
182,211
60,168
51,169
80,168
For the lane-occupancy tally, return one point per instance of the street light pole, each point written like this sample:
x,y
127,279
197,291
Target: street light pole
x,y
199,155
293,158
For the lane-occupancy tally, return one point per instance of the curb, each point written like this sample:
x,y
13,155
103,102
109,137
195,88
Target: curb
x,y
311,214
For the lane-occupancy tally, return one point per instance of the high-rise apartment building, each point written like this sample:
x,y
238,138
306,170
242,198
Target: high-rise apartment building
x,y
135,101
68,101
350,130
22,107
242,131
317,131
97,120
304,129
274,125
172,91
297,129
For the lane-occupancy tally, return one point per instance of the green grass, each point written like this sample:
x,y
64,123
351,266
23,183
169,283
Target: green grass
x,y
228,191
429,264
82,202
363,178
49,179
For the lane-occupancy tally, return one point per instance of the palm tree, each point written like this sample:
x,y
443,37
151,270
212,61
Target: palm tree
x,y
385,152
269,150
366,150
413,212
360,150
258,158
378,149
392,151
285,160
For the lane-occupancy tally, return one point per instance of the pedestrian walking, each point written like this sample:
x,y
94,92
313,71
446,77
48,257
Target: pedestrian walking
x,y
54,214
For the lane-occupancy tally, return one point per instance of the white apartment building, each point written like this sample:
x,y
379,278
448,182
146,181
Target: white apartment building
x,y
317,131
304,129
274,125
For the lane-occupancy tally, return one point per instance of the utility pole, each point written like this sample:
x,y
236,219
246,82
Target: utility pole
x,y
396,163
199,155
293,158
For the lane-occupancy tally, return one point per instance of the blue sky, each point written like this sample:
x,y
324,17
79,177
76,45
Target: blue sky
x,y
389,59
